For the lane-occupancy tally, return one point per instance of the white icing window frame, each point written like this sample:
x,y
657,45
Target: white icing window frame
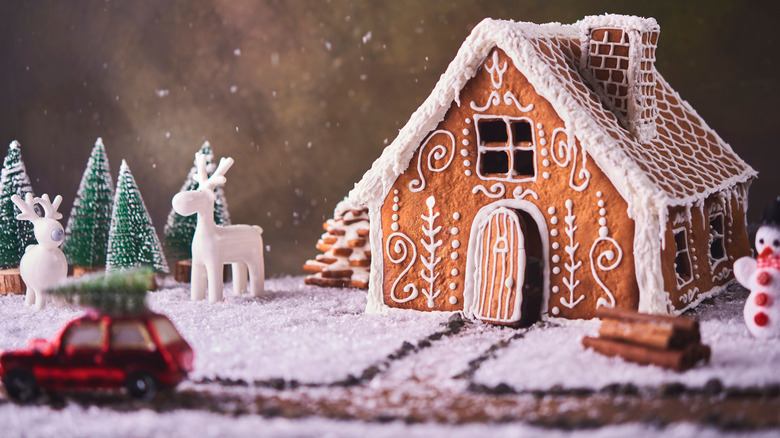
x,y
681,282
510,148
715,234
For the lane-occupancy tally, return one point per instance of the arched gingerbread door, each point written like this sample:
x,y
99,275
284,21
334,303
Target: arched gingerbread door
x,y
500,267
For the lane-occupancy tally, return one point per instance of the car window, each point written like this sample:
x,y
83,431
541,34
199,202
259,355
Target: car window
x,y
84,335
165,331
130,335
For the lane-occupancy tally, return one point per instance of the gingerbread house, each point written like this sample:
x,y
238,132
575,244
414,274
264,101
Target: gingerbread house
x,y
552,171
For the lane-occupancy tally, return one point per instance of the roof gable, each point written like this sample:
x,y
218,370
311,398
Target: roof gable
x,y
685,162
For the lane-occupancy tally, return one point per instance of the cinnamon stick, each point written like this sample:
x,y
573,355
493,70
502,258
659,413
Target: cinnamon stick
x,y
679,360
663,335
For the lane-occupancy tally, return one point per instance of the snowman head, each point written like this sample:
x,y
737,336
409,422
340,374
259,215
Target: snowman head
x,y
768,241
768,236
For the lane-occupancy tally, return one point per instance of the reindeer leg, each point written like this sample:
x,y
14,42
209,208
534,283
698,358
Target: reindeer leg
x,y
198,282
239,278
214,273
29,298
257,277
40,300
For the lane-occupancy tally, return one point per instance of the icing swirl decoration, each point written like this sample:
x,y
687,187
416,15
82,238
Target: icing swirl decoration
x,y
510,98
519,193
606,259
563,153
495,99
436,153
497,190
401,250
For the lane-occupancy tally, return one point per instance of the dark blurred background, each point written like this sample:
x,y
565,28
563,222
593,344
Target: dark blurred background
x,y
306,94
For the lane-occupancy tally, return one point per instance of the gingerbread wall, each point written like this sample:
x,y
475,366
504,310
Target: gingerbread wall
x,y
707,265
428,215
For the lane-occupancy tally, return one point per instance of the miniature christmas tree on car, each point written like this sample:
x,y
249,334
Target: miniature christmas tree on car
x,y
86,236
132,239
14,235
109,293
180,229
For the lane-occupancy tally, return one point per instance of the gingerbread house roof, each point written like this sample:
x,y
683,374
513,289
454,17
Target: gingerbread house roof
x,y
683,161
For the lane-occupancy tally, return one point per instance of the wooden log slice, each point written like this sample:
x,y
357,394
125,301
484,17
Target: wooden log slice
x,y
182,271
80,271
11,282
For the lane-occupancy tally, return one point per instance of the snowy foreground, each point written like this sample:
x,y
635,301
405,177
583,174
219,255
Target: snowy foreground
x,y
317,337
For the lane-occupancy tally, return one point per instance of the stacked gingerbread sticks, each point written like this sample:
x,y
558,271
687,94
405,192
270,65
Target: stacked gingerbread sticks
x,y
666,341
346,251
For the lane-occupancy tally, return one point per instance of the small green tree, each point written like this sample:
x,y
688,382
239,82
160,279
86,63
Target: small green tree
x,y
180,229
86,236
114,293
132,240
15,235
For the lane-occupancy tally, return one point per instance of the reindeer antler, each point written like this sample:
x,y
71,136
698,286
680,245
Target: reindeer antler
x,y
49,207
26,206
217,178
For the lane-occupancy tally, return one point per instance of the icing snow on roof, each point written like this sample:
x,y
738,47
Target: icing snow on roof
x,y
685,162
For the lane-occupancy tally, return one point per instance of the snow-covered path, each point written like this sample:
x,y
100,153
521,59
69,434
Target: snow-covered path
x,y
315,363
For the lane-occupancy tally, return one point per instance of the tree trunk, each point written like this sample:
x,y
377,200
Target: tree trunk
x,y
79,271
182,271
11,282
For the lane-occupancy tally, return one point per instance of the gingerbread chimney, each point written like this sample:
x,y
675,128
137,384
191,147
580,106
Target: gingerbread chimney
x,y
619,53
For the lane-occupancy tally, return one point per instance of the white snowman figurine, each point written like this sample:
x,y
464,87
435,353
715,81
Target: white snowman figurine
x,y
762,277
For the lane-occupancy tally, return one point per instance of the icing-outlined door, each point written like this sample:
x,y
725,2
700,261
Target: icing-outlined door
x,y
500,268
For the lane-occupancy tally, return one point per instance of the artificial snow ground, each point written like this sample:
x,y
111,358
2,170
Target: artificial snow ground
x,y
320,336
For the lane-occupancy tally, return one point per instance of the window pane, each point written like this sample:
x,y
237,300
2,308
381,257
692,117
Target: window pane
x,y
493,162
716,249
493,131
85,336
165,331
522,132
524,163
130,335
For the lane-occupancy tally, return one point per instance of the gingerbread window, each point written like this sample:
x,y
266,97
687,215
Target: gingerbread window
x,y
506,148
717,239
682,260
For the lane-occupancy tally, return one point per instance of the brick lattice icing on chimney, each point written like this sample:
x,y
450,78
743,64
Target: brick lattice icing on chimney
x,y
619,53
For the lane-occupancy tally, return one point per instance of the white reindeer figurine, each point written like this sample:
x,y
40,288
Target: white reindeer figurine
x,y
214,246
43,265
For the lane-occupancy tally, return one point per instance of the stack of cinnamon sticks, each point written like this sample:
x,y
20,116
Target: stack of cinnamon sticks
x,y
667,341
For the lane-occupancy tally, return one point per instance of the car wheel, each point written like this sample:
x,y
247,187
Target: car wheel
x,y
21,387
142,385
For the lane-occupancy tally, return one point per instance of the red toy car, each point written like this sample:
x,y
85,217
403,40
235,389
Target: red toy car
x,y
143,353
